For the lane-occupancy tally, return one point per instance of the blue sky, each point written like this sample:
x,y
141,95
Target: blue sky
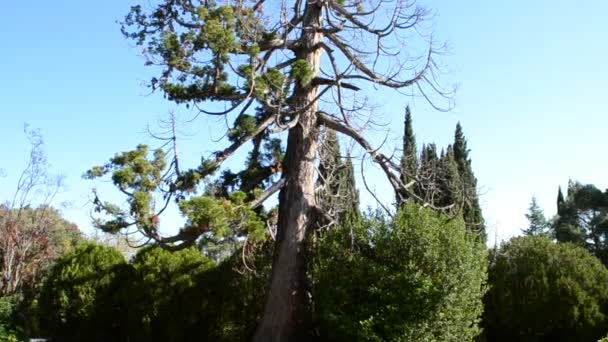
x,y
531,78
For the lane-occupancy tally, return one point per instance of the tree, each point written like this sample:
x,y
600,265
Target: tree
x,y
409,158
420,277
538,222
450,184
32,233
471,210
338,197
582,218
543,291
288,63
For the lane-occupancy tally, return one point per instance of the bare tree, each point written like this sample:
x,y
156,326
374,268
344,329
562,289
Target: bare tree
x,y
304,65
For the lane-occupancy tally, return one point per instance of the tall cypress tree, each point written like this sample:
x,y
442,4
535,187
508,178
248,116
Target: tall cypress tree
x,y
449,183
428,187
351,216
338,195
409,159
471,211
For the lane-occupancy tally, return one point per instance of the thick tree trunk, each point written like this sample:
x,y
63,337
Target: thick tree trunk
x,y
287,314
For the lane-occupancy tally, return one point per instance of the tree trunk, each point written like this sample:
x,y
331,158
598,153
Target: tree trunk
x,y
287,313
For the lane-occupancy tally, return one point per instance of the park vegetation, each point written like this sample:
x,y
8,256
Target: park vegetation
x,y
310,265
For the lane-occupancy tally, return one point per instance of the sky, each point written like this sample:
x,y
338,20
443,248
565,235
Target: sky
x,y
531,80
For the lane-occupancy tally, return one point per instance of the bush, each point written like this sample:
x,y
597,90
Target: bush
x,y
9,330
543,291
157,281
419,278
79,300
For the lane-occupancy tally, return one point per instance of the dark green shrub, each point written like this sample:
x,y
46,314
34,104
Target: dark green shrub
x,y
543,291
158,281
419,278
9,327
80,298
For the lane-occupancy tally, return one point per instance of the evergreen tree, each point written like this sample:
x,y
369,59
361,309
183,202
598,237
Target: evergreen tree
x,y
409,159
338,196
471,210
538,222
428,188
352,214
582,218
450,187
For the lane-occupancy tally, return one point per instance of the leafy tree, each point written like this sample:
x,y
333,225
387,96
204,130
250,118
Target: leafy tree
x,y
288,61
543,291
582,218
80,299
471,210
409,158
420,277
32,233
538,222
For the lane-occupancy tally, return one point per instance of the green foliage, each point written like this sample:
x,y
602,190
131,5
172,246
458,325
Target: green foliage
x,y
78,300
538,222
419,278
157,279
9,328
582,218
471,210
338,197
543,291
409,159
92,294
33,238
222,217
301,71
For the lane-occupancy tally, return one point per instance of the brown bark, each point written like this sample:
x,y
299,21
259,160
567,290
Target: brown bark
x,y
286,315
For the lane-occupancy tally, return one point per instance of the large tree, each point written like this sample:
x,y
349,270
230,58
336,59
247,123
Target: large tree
x,y
582,218
409,158
471,209
301,66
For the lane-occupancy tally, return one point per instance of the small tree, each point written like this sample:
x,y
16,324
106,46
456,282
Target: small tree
x,y
538,223
543,291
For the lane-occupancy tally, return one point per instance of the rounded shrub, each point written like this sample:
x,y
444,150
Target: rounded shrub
x,y
158,281
420,277
545,291
79,299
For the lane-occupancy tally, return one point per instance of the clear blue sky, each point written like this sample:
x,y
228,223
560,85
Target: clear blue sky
x,y
531,74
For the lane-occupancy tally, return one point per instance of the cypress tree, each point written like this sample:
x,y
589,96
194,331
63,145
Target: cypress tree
x,y
471,210
338,196
449,183
351,215
428,174
409,159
